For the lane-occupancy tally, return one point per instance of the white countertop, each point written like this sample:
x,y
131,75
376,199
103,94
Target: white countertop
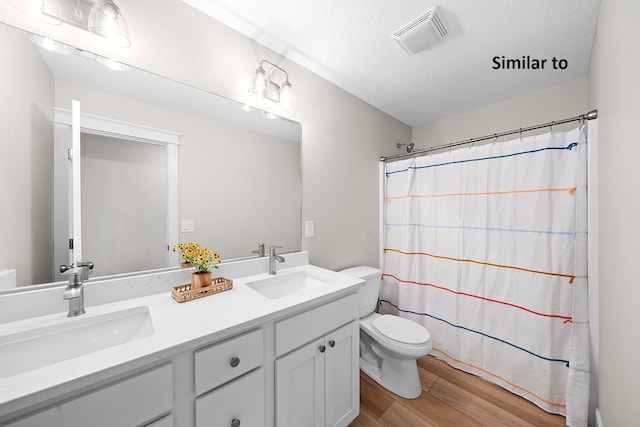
x,y
177,327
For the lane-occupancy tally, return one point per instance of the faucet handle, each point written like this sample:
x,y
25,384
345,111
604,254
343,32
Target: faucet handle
x,y
80,271
260,251
88,264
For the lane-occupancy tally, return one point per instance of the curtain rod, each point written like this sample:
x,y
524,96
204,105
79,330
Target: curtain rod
x,y
593,114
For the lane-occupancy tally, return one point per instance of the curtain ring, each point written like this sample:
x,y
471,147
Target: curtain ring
x,y
495,138
471,143
521,134
552,125
450,145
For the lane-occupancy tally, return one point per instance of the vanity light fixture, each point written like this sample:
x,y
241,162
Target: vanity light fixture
x,y
101,18
272,82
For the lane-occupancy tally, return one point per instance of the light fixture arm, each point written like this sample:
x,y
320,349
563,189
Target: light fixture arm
x,y
273,67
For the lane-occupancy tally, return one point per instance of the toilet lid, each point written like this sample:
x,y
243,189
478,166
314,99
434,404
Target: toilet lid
x,y
401,329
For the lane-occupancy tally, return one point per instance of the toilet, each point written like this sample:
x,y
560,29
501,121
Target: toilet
x,y
389,345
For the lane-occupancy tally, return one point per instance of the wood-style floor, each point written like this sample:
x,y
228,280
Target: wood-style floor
x,y
450,397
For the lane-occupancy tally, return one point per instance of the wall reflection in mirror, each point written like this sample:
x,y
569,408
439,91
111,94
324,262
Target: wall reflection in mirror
x,y
238,171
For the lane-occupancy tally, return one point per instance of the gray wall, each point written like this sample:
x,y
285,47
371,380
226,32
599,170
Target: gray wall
x,y
26,132
546,105
614,88
123,205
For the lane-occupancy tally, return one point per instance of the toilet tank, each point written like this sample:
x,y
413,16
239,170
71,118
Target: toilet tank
x,y
369,291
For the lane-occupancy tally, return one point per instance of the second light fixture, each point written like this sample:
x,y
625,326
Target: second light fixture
x,y
272,82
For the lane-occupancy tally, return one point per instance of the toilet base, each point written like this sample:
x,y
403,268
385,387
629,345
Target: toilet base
x,y
398,375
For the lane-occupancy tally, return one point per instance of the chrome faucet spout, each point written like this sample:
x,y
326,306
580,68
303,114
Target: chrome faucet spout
x,y
273,257
74,292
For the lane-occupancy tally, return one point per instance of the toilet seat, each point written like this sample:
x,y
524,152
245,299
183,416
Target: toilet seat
x,y
401,330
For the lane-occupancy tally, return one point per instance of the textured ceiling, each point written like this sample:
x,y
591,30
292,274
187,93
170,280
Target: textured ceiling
x,y
349,43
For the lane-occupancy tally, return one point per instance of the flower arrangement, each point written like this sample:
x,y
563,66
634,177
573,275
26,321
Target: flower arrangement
x,y
202,258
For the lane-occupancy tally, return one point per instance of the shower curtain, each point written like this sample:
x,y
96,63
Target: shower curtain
x,y
487,248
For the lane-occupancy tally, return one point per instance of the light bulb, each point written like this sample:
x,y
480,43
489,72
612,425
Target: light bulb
x,y
286,94
259,82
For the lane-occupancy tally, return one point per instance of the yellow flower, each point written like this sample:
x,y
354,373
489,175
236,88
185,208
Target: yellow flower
x,y
199,256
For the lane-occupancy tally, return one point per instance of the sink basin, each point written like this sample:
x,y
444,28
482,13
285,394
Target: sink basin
x,y
42,346
282,285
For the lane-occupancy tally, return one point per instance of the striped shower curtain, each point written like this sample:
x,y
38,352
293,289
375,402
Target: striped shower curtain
x,y
487,248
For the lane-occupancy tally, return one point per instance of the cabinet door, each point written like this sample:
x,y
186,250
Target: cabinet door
x,y
300,387
342,381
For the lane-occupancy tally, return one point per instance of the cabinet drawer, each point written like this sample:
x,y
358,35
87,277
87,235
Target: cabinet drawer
x,y
133,401
222,362
298,330
242,400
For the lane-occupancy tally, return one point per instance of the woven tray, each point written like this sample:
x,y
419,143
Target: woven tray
x,y
184,293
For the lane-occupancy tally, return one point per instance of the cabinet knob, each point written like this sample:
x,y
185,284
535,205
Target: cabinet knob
x,y
322,348
235,422
332,343
235,361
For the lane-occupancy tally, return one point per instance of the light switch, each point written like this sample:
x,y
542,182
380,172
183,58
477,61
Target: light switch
x,y
309,229
186,226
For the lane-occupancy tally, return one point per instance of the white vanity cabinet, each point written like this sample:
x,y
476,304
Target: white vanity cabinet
x,y
138,400
317,383
229,385
289,362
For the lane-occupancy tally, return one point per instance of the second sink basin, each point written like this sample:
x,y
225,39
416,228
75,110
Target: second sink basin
x,y
282,285
42,346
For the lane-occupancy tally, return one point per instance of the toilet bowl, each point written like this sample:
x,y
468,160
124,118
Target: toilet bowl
x,y
389,345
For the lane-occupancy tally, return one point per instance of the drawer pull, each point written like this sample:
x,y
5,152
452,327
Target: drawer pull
x,y
235,422
332,343
322,349
235,361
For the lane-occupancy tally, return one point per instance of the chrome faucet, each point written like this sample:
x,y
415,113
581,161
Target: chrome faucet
x,y
260,251
74,292
273,257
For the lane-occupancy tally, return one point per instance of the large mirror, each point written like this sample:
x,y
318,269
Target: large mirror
x,y
238,169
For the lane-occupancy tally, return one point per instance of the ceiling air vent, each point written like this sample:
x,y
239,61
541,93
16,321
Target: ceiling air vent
x,y
422,32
